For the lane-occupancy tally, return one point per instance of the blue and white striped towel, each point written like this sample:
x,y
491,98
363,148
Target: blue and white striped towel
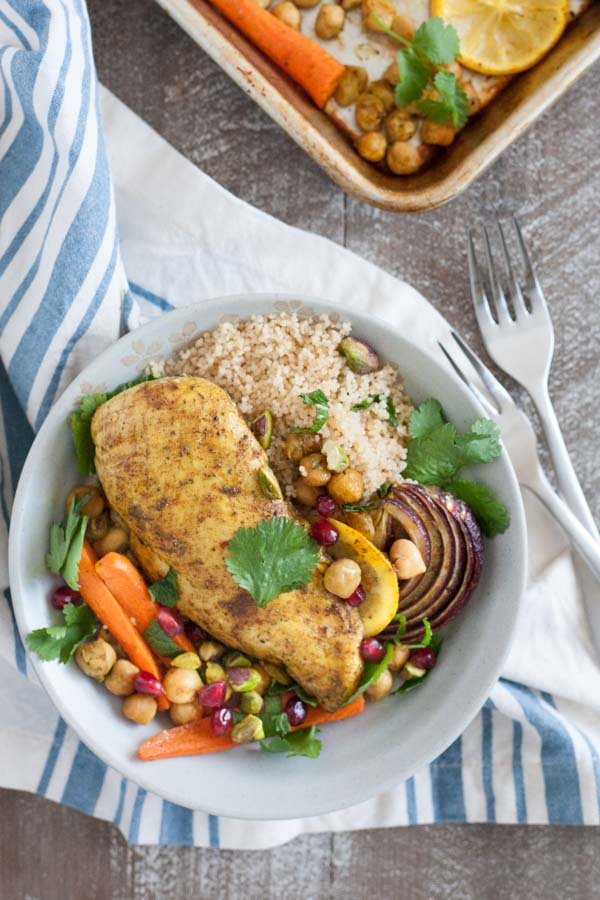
x,y
532,755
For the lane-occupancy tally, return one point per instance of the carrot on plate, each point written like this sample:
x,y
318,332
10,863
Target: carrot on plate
x,y
312,67
98,597
127,585
197,737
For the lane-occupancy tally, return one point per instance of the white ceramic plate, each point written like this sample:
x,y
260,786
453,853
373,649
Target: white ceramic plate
x,y
361,757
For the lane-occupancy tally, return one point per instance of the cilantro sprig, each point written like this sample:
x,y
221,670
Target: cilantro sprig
x,y
371,672
320,401
164,591
273,558
66,543
298,743
61,641
160,642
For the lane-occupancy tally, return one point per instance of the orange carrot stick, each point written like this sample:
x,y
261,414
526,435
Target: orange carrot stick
x,y
103,603
303,59
126,584
197,738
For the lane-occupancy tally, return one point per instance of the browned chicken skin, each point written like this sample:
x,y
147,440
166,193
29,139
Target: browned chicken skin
x,y
180,465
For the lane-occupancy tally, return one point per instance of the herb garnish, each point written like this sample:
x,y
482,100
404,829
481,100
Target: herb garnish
x,y
273,558
159,641
164,591
371,672
401,630
391,411
435,644
61,641
298,743
321,404
366,403
66,543
382,491
377,398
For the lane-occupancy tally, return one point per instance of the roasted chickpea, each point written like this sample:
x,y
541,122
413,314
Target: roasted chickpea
x,y
406,559
313,469
116,519
330,21
139,708
369,112
350,4
92,507
399,126
289,14
95,658
400,657
306,494
184,713
392,74
299,445
120,679
361,521
182,685
439,133
97,528
342,578
116,540
403,158
403,26
384,91
380,688
352,84
346,486
376,11
372,146
306,4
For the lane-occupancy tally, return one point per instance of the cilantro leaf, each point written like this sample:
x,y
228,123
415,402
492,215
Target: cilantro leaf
x,y
414,77
304,696
371,672
70,569
164,591
60,641
66,542
434,458
298,743
321,404
492,516
391,411
452,105
384,489
366,403
481,444
425,418
273,558
437,41
160,642
275,721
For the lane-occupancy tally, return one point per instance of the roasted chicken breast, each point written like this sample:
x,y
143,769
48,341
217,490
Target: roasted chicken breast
x,y
180,465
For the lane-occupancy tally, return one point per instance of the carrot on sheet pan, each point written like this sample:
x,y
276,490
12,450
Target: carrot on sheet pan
x,y
312,67
99,598
197,737
128,587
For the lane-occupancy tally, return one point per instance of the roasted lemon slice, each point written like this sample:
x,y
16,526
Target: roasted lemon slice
x,y
501,37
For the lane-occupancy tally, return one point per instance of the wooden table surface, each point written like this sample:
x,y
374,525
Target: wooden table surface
x,y
550,178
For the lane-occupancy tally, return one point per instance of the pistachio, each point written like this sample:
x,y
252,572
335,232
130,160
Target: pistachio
x,y
277,673
360,356
214,672
234,658
249,729
243,679
337,458
251,703
186,661
410,671
269,484
210,651
263,429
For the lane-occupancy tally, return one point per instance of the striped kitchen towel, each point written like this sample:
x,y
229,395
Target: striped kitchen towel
x,y
532,754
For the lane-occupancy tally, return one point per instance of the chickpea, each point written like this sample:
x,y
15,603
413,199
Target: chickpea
x,y
361,521
369,112
342,578
289,14
380,688
97,528
92,507
352,84
182,685
121,677
265,679
330,21
116,519
392,74
400,657
384,91
406,559
299,445
399,126
346,486
184,713
139,708
440,133
350,4
313,469
306,494
264,4
95,658
403,26
375,11
372,146
403,158
306,4
114,541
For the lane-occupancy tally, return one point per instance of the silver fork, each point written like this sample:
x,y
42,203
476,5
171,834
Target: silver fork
x,y
518,335
520,441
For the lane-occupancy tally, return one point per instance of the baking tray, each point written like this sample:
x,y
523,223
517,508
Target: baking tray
x,y
476,147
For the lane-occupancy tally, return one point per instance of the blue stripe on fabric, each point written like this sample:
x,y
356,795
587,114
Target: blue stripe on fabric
x,y
561,780
176,824
7,100
213,832
152,298
18,431
50,764
411,801
136,815
447,785
126,308
85,781
121,803
19,649
519,782
487,760
16,31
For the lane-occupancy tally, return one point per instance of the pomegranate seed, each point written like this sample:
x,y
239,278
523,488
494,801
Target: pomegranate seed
x,y
194,632
147,683
64,595
169,620
213,695
221,721
295,710
233,702
371,650
357,597
323,533
325,505
423,658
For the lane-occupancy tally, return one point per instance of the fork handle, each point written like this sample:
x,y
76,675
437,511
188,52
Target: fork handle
x,y
588,547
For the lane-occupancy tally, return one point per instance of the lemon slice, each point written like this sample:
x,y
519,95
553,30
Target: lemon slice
x,y
501,37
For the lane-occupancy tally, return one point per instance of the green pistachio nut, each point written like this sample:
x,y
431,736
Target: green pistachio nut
x,y
249,729
251,703
210,651
269,484
214,672
360,356
186,661
263,429
277,673
412,671
337,458
234,658
243,679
